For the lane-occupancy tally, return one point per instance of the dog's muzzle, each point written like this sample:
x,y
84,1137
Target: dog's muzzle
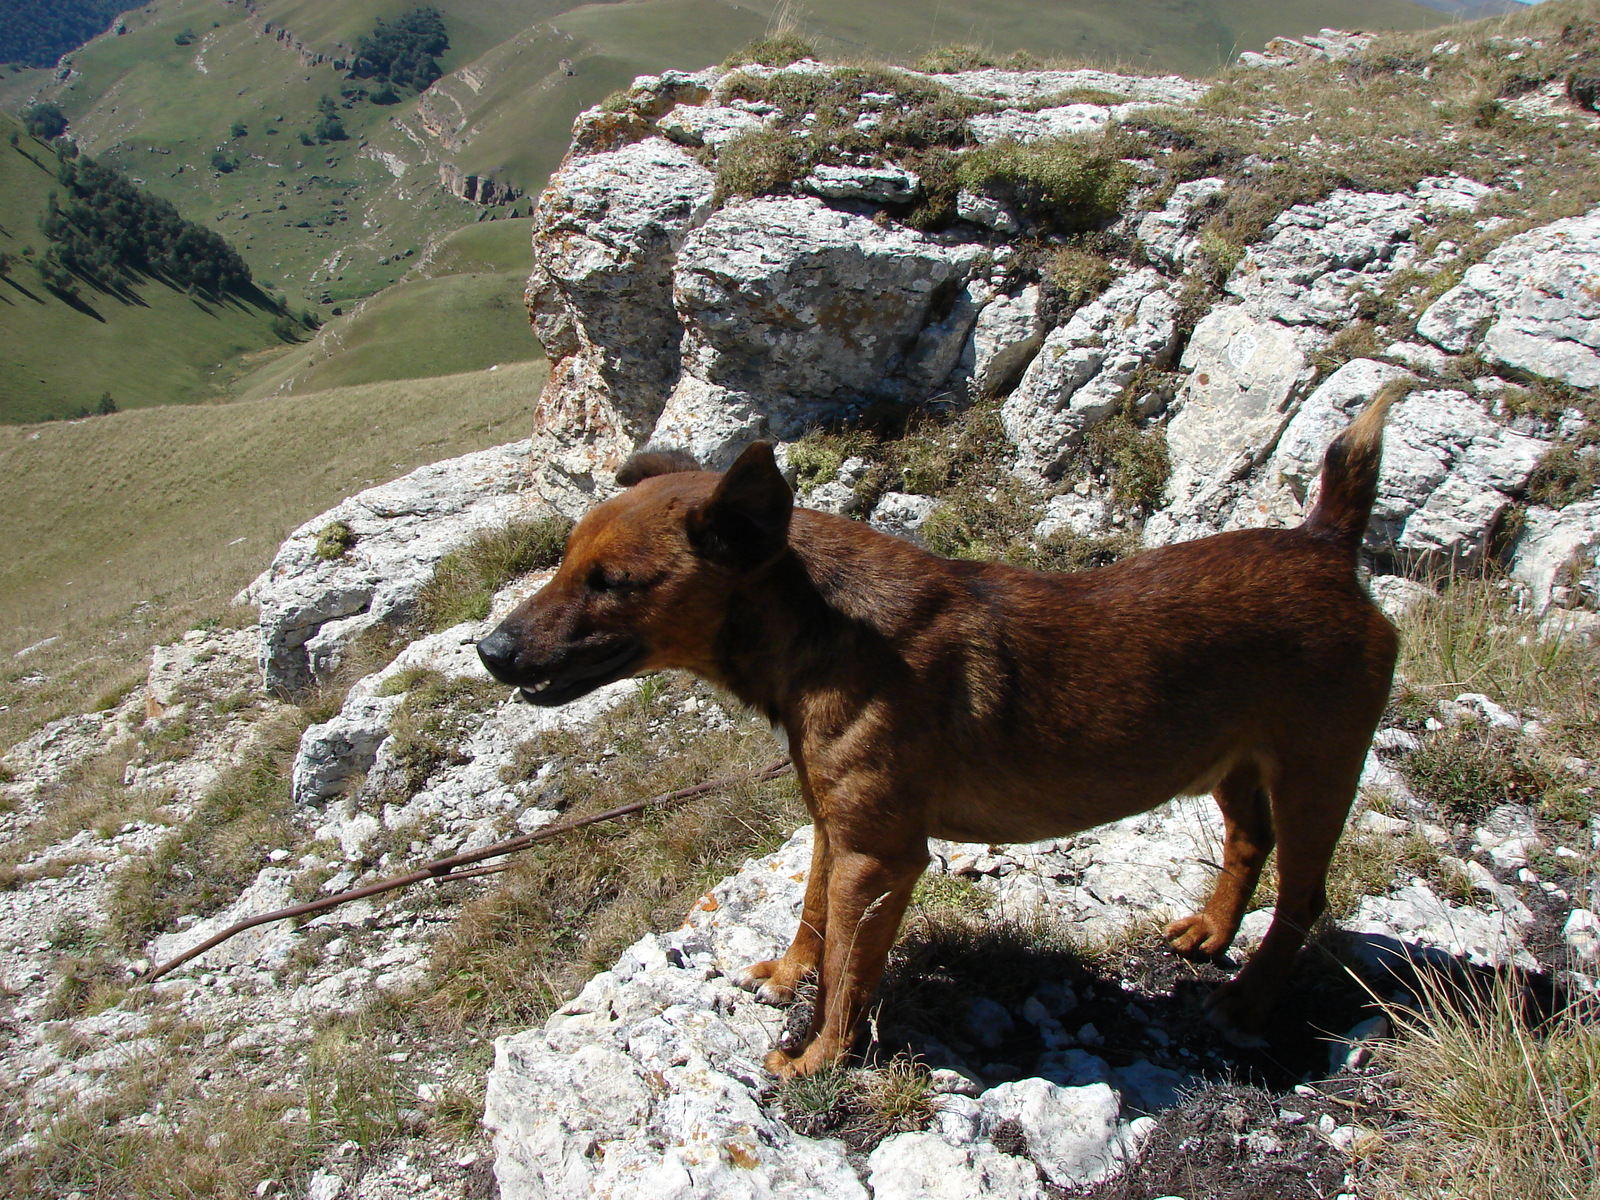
x,y
576,673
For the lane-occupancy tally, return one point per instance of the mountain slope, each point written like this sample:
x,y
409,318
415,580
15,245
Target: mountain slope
x,y
59,354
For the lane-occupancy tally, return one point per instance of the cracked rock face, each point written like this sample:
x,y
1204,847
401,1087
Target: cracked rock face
x,y
1316,258
1533,305
1077,377
606,232
793,311
312,607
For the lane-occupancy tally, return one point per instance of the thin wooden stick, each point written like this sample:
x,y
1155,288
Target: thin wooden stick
x,y
445,869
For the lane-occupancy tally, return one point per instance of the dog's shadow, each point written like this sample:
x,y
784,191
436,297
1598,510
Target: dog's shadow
x,y
999,1002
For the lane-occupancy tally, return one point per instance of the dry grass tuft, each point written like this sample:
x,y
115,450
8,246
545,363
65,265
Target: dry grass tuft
x,y
568,908
1471,639
1508,1108
465,580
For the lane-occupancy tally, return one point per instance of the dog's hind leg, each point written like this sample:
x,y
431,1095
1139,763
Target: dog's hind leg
x,y
775,980
867,895
1309,806
1247,826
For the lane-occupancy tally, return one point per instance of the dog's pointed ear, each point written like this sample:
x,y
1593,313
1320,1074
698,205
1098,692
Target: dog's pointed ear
x,y
745,524
654,462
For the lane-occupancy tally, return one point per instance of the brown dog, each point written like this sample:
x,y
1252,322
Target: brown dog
x,y
926,697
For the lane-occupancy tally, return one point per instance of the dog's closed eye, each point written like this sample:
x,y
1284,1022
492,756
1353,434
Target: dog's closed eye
x,y
602,580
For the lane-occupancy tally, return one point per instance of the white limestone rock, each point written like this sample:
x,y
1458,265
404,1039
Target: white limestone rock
x,y
927,1166
1073,1132
1077,377
1245,378
988,211
607,230
711,125
903,514
1449,470
265,946
1005,337
1558,555
1533,305
879,185
1412,921
792,312
1167,234
402,529
1068,120
1029,88
1088,515
1304,272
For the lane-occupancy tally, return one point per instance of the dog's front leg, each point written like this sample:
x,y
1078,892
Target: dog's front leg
x,y
775,980
867,895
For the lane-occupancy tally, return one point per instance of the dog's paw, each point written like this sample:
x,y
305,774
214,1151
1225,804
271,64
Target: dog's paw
x,y
781,1064
770,981
1198,936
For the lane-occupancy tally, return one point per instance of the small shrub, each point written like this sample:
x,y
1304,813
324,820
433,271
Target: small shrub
x,y
1469,770
335,540
1134,460
862,1106
1565,475
1077,276
777,51
1067,184
44,120
465,580
816,459
762,162
949,60
1065,550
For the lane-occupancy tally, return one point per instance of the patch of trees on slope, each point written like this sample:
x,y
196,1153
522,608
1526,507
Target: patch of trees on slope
x,y
109,232
37,32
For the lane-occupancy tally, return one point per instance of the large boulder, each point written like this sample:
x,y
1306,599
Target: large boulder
x,y
793,311
1245,378
606,233
1533,305
1558,555
313,605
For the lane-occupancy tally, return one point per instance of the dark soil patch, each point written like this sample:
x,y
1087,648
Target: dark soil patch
x,y
1233,1142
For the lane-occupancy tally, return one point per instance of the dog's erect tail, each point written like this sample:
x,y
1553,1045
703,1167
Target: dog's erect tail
x,y
1350,472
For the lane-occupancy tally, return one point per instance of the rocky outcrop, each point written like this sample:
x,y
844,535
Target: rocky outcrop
x,y
1532,306
793,312
1078,377
1316,260
1450,471
312,605
476,189
606,235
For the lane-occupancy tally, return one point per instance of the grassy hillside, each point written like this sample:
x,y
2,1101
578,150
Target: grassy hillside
x,y
59,354
461,311
125,528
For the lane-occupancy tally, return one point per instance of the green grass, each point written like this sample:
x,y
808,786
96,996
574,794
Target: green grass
x,y
417,329
465,580
123,530
57,356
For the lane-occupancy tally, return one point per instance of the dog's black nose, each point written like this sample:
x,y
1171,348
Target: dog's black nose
x,y
498,652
